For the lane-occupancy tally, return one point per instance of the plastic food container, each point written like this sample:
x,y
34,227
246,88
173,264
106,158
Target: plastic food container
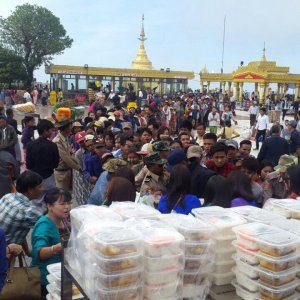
x,y
134,210
224,254
207,210
274,264
223,244
131,293
289,208
117,242
276,279
245,268
55,270
194,264
222,279
119,265
224,266
291,225
283,292
162,242
155,264
162,277
195,290
191,228
246,282
164,291
223,223
196,248
245,294
117,281
267,239
194,277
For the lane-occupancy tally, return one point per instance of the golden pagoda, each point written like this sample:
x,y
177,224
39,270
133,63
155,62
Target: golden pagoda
x,y
141,61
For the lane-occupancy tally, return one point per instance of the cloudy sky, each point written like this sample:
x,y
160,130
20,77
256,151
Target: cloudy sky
x,y
182,35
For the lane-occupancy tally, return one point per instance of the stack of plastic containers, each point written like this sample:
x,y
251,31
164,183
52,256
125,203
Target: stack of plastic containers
x,y
266,262
134,210
223,237
199,254
54,286
289,208
110,259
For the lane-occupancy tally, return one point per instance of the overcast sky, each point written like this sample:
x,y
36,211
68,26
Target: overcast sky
x,y
182,35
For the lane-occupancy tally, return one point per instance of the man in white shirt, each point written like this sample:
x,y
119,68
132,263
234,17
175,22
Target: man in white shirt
x,y
253,111
27,96
261,126
214,120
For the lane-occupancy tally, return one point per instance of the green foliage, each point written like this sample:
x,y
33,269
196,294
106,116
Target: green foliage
x,y
11,67
34,34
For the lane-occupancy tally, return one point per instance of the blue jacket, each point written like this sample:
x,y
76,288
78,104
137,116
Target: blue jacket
x,y
191,202
97,196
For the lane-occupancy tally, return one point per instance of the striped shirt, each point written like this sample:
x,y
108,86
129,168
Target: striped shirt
x,y
17,217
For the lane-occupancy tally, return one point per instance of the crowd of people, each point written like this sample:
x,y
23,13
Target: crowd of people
x,y
174,154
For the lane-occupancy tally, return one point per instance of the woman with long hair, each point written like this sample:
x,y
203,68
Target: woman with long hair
x,y
46,242
178,198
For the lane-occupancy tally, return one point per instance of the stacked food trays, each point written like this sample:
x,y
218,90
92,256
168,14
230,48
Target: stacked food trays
x,y
289,208
223,237
199,253
266,262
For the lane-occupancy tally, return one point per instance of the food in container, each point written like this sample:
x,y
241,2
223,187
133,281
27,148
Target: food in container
x,y
223,266
245,268
223,223
275,279
246,256
121,280
162,242
267,239
130,293
193,264
244,293
163,291
191,228
289,208
195,290
162,277
246,282
155,264
196,249
224,254
286,291
222,279
197,277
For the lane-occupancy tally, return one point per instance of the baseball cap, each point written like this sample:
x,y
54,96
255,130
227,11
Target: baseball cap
x,y
99,143
160,146
113,164
80,136
293,123
117,113
77,124
285,161
89,137
154,159
127,125
232,143
176,157
194,151
146,149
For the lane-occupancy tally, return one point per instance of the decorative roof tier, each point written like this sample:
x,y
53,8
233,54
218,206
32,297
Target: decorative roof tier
x,y
141,61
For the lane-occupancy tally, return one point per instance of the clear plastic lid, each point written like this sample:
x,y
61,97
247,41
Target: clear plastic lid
x,y
288,208
255,214
245,294
208,210
292,225
270,240
282,292
131,293
191,228
134,210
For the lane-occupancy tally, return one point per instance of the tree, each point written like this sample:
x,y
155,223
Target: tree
x,y
11,67
34,34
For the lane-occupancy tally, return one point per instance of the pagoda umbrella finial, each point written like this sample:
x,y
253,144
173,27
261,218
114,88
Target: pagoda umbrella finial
x,y
263,58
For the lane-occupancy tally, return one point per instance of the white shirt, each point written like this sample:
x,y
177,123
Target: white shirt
x,y
253,110
213,120
262,122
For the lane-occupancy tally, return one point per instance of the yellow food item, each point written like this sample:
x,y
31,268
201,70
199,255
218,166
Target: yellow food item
x,y
28,107
273,251
276,281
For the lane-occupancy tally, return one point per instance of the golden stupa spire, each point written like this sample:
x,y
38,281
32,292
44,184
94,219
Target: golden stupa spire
x,y
263,58
141,61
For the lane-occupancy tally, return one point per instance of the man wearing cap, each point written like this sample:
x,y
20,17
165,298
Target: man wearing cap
x,y
162,148
233,148
276,184
274,146
156,179
79,154
176,157
63,173
127,128
97,196
118,121
8,136
200,174
295,136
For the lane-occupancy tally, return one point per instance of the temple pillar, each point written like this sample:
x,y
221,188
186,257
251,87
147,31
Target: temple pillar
x,y
256,88
277,96
223,87
235,90
297,85
201,86
229,87
241,85
286,87
262,92
208,85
